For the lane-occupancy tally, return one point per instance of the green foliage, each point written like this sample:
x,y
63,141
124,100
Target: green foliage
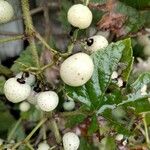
x,y
2,81
33,114
139,4
25,60
134,21
6,120
105,62
108,143
127,60
65,5
93,126
75,120
84,145
18,134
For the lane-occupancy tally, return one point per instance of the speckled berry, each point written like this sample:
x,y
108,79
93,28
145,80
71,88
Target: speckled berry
x,y
96,42
15,91
79,16
6,11
48,100
71,141
77,69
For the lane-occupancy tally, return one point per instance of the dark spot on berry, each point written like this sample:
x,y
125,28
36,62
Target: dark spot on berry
x,y
21,81
82,78
67,100
89,41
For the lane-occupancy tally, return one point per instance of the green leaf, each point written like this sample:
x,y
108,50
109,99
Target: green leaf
x,y
2,82
147,116
84,145
19,133
134,20
136,100
93,126
139,105
127,59
141,81
6,120
32,115
108,143
105,62
114,123
65,5
139,4
75,120
26,59
145,15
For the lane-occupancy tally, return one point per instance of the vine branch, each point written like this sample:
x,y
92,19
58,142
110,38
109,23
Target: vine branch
x,y
30,30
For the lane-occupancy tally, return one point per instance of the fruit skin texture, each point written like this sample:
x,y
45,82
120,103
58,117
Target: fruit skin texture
x,y
32,98
147,50
144,39
79,16
77,69
98,42
29,80
47,101
43,146
69,105
24,106
15,91
71,141
6,11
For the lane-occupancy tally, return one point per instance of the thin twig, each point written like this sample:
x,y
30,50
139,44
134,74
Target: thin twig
x,y
14,38
30,30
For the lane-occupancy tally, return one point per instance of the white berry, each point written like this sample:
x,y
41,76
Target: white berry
x,y
80,16
96,42
47,101
147,50
77,69
1,141
144,39
15,91
6,11
29,79
24,106
120,82
114,75
43,146
32,98
119,137
69,105
71,141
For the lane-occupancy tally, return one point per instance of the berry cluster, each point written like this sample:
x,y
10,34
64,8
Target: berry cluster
x,y
75,71
19,88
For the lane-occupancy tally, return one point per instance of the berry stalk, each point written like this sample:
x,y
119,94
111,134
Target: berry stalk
x,y
30,30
